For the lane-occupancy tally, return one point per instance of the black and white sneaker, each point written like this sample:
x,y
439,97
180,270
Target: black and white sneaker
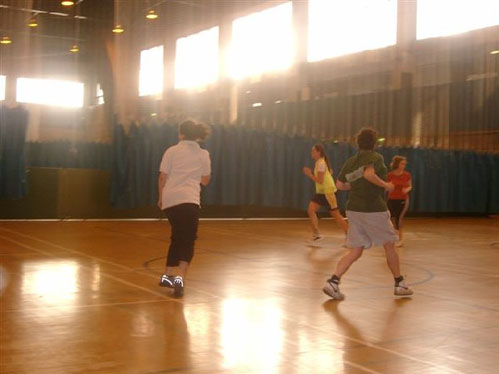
x,y
332,289
166,281
178,286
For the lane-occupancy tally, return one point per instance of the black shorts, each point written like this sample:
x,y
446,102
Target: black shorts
x,y
326,200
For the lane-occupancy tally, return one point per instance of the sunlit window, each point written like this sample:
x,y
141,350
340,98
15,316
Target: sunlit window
x,y
2,87
50,92
151,71
196,61
340,27
262,42
99,95
447,17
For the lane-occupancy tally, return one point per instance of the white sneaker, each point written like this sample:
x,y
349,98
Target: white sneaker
x,y
402,290
315,239
332,289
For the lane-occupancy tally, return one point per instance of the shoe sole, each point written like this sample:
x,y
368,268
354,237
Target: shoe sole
x,y
335,297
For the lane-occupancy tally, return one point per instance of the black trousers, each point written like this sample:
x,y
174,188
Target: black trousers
x,y
183,219
398,208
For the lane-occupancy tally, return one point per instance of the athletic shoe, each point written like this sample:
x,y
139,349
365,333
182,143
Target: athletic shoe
x,y
315,239
332,289
400,243
166,281
178,286
402,290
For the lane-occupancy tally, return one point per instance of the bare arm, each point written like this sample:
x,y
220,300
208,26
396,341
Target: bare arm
x,y
408,188
161,183
205,180
343,186
320,175
371,177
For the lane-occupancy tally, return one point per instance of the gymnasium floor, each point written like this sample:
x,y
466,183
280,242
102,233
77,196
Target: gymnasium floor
x,y
82,297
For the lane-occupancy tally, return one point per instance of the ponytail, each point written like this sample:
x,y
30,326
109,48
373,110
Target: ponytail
x,y
320,148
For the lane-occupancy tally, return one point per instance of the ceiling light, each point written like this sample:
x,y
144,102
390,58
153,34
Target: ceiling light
x,y
5,40
67,2
33,22
151,15
75,49
118,29
496,52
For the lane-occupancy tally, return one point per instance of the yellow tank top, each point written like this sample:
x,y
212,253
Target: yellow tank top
x,y
327,185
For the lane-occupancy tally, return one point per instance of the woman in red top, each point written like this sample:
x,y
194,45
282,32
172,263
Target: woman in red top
x,y
398,199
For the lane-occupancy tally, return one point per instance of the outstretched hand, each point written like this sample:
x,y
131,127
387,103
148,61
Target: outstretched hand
x,y
307,171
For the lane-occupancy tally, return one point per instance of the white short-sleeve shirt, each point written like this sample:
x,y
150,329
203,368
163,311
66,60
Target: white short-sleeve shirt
x,y
184,164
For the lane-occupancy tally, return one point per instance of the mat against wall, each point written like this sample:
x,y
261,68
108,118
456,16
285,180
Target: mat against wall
x,y
13,126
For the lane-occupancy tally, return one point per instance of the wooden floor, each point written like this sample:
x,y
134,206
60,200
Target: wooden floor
x,y
82,297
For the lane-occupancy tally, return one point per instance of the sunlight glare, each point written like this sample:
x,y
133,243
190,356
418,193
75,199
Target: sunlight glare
x,y
262,42
2,87
151,71
196,60
340,27
448,17
52,92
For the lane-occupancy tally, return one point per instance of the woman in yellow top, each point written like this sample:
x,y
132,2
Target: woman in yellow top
x,y
324,192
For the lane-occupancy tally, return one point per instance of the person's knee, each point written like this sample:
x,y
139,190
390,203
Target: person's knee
x,y
356,253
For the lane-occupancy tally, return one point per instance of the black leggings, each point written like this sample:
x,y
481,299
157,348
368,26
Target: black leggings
x,y
183,220
398,208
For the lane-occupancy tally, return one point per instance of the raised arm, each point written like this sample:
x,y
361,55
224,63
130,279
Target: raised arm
x,y
371,177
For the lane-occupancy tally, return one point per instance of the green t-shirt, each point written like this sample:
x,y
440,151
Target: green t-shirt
x,y
364,196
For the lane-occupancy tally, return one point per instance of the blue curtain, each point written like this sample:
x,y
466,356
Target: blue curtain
x,y
254,167
13,126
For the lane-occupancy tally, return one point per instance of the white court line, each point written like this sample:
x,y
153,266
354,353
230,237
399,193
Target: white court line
x,y
346,337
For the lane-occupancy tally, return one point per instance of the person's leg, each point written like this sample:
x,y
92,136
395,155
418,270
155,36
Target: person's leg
x,y
332,288
312,209
392,259
340,221
189,219
404,208
172,258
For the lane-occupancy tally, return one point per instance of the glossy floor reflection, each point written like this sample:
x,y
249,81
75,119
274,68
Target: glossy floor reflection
x,y
82,297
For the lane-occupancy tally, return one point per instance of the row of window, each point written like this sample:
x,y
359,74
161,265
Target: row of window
x,y
264,42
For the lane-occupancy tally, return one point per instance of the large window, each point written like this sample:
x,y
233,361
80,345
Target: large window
x,y
151,71
447,17
262,42
340,27
196,61
2,87
50,92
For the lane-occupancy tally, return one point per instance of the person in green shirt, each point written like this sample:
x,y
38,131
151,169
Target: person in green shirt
x,y
364,176
324,192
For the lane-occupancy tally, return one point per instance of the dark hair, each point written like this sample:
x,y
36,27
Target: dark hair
x,y
320,148
396,160
193,131
366,139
